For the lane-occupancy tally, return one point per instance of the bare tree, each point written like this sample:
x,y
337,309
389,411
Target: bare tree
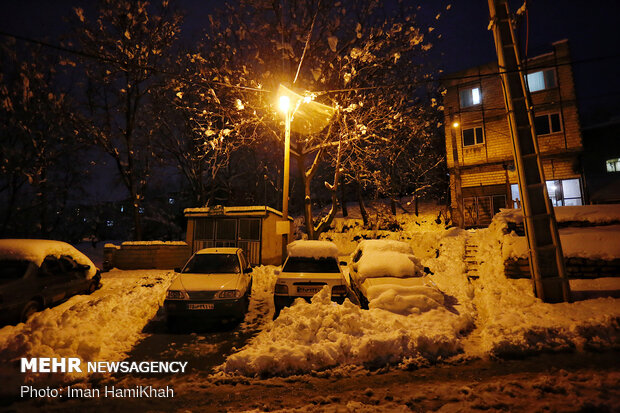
x,y
126,48
41,165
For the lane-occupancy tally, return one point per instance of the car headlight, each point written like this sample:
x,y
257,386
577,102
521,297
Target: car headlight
x,y
176,295
228,294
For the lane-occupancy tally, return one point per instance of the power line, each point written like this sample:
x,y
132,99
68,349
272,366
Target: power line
x,y
319,93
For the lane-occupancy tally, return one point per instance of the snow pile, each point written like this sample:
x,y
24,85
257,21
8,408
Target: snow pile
x,y
102,326
312,249
403,299
314,336
513,322
35,250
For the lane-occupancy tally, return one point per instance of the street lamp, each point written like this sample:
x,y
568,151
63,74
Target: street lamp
x,y
285,107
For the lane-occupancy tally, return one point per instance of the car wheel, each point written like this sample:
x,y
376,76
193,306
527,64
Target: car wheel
x,y
30,308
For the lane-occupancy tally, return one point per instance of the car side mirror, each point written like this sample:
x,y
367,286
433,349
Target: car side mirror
x,y
177,269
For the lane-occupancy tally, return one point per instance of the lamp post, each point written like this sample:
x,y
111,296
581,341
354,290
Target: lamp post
x,y
285,107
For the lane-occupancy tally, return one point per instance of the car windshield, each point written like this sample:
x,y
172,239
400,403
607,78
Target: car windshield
x,y
309,264
12,270
213,264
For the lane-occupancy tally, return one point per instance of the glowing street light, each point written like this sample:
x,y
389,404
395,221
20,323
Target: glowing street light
x,y
310,117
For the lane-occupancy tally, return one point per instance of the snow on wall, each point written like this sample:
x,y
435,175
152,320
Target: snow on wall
x,y
582,242
594,214
312,249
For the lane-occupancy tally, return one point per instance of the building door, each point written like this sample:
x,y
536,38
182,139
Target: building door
x,y
250,238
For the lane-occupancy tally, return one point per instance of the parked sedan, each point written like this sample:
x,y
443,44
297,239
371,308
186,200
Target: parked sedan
x,y
215,283
310,266
35,274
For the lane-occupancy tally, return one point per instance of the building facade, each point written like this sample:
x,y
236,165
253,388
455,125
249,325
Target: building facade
x,y
479,148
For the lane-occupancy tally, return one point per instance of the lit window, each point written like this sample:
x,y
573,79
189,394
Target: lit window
x,y
171,201
470,97
546,124
541,80
562,192
141,210
122,208
613,165
473,136
109,223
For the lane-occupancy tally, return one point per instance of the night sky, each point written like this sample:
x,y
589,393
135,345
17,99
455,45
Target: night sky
x,y
591,27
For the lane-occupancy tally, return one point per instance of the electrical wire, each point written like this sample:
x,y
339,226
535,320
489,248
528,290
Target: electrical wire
x,y
318,93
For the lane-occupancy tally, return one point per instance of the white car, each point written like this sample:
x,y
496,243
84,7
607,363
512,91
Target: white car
x,y
215,283
376,263
309,267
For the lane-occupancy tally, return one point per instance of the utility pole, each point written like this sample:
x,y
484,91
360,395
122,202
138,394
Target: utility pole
x,y
545,250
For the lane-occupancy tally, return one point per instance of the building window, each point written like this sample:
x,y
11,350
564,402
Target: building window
x,y
470,97
171,201
109,223
541,80
473,136
562,192
546,124
613,165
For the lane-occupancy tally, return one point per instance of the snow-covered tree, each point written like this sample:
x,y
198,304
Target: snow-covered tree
x,y
361,58
125,50
41,163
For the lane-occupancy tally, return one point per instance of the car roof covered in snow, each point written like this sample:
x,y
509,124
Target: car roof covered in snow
x,y
378,264
312,249
35,250
218,250
385,245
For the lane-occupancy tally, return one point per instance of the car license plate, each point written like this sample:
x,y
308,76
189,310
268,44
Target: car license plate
x,y
201,306
304,290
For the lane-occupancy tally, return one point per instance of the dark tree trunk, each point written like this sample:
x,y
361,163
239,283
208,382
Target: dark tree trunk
x,y
360,201
343,201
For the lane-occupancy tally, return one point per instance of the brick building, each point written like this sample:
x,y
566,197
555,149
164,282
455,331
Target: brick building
x,y
478,144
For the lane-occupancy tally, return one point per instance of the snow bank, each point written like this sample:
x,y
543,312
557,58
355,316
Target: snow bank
x,y
102,326
405,300
35,250
314,336
312,249
512,322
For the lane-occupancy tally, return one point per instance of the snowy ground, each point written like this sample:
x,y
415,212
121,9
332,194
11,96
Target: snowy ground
x,y
311,344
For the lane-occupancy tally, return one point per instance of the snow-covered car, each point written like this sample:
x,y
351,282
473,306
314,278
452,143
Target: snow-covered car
x,y
376,263
310,266
35,274
215,283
